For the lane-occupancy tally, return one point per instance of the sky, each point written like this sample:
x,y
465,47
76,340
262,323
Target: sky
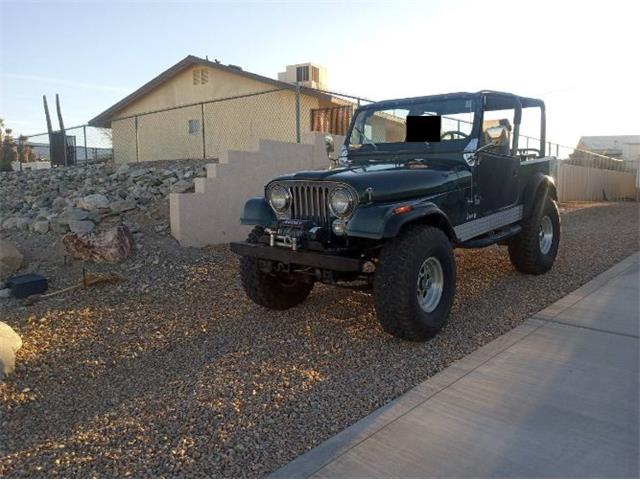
x,y
582,58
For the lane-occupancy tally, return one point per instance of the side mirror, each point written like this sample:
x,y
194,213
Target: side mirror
x,y
329,144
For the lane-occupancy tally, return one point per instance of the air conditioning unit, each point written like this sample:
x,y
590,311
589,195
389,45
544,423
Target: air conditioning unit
x,y
306,74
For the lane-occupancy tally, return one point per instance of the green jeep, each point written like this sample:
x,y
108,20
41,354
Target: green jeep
x,y
415,179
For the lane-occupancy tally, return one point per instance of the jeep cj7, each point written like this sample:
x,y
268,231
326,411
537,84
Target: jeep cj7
x,y
415,178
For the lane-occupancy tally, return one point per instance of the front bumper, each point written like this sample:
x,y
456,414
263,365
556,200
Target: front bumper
x,y
303,258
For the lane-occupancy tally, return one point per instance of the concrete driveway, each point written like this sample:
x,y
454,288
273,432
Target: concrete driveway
x,y
555,397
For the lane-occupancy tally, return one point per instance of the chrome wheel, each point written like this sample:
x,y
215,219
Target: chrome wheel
x,y
545,235
430,284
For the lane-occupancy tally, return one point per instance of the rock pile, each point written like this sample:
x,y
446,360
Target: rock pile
x,y
78,198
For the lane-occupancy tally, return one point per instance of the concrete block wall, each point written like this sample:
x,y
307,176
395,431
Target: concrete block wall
x,y
211,215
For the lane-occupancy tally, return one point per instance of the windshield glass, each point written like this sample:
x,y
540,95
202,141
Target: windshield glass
x,y
387,128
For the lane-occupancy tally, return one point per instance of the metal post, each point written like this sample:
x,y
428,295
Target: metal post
x,y
62,131
137,148
204,145
84,132
297,112
20,150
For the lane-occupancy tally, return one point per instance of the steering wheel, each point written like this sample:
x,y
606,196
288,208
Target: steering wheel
x,y
451,133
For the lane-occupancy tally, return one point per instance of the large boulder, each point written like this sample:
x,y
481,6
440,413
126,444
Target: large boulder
x,y
10,343
10,259
111,246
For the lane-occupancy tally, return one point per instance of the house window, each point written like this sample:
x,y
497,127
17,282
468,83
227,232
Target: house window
x,y
315,74
302,74
194,127
200,76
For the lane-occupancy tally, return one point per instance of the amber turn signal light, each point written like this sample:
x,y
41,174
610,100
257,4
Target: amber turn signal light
x,y
402,209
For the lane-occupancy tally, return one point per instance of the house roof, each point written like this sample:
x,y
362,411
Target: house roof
x,y
612,144
104,118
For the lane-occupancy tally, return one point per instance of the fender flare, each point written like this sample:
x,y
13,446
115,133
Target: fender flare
x,y
380,221
258,212
537,185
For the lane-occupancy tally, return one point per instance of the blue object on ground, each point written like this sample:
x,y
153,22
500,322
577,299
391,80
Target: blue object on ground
x,y
28,284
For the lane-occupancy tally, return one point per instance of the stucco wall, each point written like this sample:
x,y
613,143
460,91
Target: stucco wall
x,y
229,124
211,215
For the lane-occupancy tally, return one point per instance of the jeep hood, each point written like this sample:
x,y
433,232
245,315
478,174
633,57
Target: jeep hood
x,y
391,182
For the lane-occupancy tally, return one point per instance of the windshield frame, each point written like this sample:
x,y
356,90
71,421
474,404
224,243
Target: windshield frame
x,y
449,146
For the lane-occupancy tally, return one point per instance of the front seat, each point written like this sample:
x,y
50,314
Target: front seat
x,y
504,141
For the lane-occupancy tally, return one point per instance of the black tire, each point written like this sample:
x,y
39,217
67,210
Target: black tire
x,y
396,283
271,291
526,250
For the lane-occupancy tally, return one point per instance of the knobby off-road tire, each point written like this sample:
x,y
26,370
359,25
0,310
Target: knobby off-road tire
x,y
270,291
398,291
533,251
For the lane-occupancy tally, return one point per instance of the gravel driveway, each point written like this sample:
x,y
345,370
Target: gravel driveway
x,y
177,374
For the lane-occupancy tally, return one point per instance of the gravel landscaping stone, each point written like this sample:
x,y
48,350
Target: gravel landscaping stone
x,y
9,223
175,373
40,226
122,206
94,202
10,259
81,226
24,223
182,186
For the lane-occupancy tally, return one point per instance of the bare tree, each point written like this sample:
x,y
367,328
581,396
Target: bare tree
x,y
8,148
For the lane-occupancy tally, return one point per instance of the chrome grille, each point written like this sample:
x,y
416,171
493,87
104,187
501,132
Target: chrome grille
x,y
310,201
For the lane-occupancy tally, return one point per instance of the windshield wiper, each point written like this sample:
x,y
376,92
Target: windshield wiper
x,y
364,137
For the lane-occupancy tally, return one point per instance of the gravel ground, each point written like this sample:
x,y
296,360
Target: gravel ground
x,y
177,374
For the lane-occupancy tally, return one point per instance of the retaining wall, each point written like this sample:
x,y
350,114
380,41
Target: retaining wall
x,y
211,215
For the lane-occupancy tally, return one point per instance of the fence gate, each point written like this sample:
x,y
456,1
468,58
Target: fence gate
x,y
334,120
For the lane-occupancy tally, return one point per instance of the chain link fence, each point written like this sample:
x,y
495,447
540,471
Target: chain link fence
x,y
84,144
206,130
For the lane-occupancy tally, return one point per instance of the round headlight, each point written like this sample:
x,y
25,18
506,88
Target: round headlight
x,y
341,202
279,198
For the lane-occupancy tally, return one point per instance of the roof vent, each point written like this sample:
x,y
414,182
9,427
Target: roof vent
x,y
234,66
